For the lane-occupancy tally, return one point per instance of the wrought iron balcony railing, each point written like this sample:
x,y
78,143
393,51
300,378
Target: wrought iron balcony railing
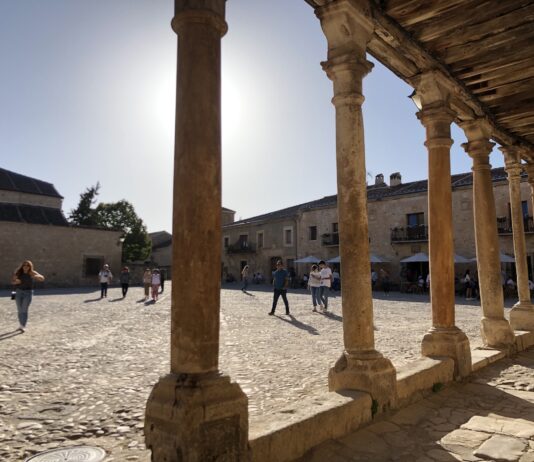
x,y
504,225
241,247
330,239
410,234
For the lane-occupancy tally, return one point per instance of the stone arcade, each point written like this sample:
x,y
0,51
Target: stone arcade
x,y
195,413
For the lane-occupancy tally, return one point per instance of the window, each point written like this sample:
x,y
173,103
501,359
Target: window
x,y
334,227
226,241
313,233
243,241
259,239
288,236
524,208
415,219
92,266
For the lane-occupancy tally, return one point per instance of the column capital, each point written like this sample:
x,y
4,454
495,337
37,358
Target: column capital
x,y
529,168
432,88
348,26
479,150
211,14
512,161
439,112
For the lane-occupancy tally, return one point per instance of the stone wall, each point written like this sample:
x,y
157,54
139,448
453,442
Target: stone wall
x,y
60,253
14,197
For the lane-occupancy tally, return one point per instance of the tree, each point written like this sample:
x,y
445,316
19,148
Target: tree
x,y
121,216
84,215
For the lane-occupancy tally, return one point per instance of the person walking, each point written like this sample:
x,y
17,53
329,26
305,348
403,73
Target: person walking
x,y
326,283
244,278
147,282
155,282
384,275
314,284
280,283
23,279
105,278
162,277
125,280
467,285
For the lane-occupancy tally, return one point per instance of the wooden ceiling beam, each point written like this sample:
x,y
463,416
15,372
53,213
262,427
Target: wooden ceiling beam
x,y
408,13
509,71
451,21
490,45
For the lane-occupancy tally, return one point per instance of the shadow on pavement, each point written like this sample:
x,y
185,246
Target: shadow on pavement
x,y
330,315
298,324
7,335
90,300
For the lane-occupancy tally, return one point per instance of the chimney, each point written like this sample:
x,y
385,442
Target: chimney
x,y
395,179
379,179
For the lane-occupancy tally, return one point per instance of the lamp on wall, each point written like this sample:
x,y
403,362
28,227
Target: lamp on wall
x,y
416,100
121,240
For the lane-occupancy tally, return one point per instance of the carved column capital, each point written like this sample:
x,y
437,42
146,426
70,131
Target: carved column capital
x,y
529,168
211,14
440,112
479,151
512,161
348,26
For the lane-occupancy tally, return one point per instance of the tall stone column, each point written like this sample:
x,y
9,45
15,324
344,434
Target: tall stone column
x,y
444,338
194,413
496,331
348,29
522,314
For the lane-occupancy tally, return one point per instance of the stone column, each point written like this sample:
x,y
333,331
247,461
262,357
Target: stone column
x,y
348,29
522,314
496,331
444,338
194,413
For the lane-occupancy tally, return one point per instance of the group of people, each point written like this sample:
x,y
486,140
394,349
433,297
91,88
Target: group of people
x,y
384,279
152,279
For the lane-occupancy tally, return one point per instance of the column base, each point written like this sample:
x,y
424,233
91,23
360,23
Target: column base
x,y
369,372
197,418
497,333
451,343
522,316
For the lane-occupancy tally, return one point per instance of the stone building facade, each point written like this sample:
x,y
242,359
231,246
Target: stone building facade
x,y
398,227
33,227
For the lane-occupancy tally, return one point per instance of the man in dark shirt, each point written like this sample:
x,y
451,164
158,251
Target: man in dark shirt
x,y
280,281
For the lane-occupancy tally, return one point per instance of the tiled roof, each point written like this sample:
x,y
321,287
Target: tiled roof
x,y
33,214
160,239
11,181
374,192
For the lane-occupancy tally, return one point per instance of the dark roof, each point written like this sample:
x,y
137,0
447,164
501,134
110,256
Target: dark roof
x,y
11,181
160,239
33,214
374,192
224,209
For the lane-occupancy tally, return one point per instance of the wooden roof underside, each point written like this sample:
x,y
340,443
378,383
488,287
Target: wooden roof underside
x,y
484,47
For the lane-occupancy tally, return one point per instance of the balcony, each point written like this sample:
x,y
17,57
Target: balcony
x,y
504,225
330,239
416,233
241,247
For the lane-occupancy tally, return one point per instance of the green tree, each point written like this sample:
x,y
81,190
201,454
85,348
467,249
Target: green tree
x,y
121,216
84,214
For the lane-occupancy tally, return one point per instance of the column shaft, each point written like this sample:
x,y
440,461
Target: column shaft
x,y
487,240
440,230
520,249
357,303
197,195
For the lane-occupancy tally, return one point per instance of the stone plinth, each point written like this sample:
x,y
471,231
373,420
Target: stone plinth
x,y
197,418
452,343
497,333
374,374
522,316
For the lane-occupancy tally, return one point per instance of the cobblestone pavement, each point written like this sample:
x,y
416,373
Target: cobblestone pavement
x,y
490,418
82,372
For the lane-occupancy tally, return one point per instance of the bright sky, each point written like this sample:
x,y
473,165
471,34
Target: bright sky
x,y
87,94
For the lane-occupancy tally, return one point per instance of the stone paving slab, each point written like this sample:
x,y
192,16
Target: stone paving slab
x,y
82,372
482,419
